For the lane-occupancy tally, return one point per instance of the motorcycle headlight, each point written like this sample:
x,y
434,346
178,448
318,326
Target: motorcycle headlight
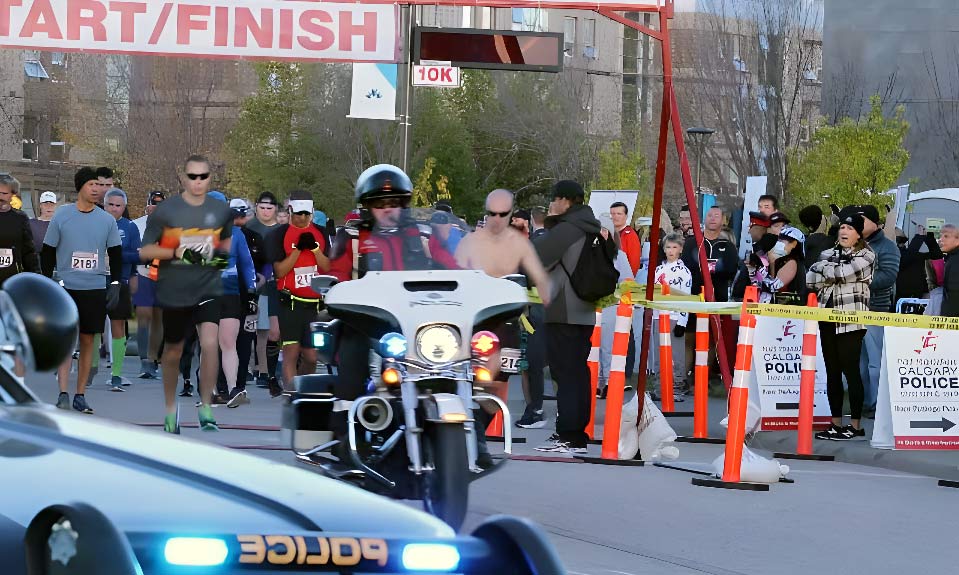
x,y
438,343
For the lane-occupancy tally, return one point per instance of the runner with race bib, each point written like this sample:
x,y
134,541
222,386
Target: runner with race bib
x,y
81,241
17,252
298,252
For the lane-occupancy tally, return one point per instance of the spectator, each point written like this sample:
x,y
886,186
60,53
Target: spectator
x,y
628,239
674,273
520,221
538,222
768,204
911,282
949,242
721,256
569,319
758,226
787,269
882,295
842,280
609,313
817,240
685,221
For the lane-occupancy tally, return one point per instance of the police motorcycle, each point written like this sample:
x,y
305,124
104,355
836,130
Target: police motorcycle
x,y
430,341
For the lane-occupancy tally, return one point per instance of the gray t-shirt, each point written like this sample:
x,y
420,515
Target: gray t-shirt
x,y
255,225
203,228
81,240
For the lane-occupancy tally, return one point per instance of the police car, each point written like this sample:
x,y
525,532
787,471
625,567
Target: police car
x,y
87,495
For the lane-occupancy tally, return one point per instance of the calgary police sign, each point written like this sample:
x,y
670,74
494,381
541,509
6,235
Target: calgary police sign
x,y
918,404
777,363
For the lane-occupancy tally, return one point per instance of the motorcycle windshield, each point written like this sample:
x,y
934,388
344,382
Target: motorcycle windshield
x,y
416,239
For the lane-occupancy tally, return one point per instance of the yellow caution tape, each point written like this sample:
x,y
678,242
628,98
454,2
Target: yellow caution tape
x,y
860,317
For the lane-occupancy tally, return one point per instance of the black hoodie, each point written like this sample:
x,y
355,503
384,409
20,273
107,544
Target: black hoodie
x,y
563,243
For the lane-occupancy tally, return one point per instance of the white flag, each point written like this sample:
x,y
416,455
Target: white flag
x,y
374,92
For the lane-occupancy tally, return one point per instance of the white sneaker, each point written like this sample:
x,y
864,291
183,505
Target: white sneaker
x,y
560,447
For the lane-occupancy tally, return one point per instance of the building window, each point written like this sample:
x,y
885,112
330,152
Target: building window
x,y
589,38
569,35
31,138
34,69
58,152
58,59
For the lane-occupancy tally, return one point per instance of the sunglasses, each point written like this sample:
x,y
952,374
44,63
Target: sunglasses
x,y
386,203
198,176
498,214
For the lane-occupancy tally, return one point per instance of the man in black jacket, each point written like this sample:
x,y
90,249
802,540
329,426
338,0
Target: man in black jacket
x,y
17,251
570,320
949,242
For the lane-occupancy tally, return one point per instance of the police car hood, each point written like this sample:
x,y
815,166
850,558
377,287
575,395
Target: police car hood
x,y
146,481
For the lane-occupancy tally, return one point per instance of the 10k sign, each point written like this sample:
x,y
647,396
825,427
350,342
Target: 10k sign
x,y
436,76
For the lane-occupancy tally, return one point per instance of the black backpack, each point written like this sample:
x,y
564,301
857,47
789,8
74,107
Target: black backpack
x,y
595,275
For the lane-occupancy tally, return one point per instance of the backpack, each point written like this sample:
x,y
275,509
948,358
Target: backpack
x,y
595,275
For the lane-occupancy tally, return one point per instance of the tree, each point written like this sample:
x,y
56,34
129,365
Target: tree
x,y
851,161
624,169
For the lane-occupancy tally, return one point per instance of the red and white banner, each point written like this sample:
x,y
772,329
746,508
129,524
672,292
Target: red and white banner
x,y
269,29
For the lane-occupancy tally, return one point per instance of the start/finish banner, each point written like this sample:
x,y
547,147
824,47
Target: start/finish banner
x,y
271,29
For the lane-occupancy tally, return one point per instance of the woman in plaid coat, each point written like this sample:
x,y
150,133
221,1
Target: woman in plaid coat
x,y
841,279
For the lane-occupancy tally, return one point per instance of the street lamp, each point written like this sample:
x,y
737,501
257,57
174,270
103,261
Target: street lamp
x,y
700,135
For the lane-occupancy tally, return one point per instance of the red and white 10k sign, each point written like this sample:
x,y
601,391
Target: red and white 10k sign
x,y
436,76
288,30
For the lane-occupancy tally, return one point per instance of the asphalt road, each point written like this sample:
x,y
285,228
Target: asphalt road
x,y
835,518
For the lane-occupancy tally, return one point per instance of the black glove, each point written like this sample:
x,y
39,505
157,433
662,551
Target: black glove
x,y
307,242
220,260
113,296
192,257
679,331
251,306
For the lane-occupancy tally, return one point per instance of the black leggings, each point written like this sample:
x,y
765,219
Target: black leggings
x,y
841,354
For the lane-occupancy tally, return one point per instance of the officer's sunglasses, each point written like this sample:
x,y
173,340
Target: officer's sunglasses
x,y
386,203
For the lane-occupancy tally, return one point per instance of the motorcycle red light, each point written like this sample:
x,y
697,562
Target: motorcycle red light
x,y
484,343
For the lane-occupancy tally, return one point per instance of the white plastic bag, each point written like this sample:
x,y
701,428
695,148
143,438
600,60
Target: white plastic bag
x,y
755,468
652,437
753,409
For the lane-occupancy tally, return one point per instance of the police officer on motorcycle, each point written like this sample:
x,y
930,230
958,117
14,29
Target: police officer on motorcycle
x,y
384,238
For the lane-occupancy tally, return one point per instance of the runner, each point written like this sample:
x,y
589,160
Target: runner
x,y
116,205
143,286
190,236
79,240
499,250
267,324
238,278
298,252
39,225
246,341
17,251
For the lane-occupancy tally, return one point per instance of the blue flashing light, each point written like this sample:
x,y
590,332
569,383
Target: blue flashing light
x,y
319,339
195,551
430,557
393,345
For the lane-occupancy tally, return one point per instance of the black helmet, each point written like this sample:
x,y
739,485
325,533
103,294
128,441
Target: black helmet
x,y
383,181
48,315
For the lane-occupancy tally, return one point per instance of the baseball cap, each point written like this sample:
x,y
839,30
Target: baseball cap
x,y
443,205
48,197
777,218
217,195
154,196
568,189
239,207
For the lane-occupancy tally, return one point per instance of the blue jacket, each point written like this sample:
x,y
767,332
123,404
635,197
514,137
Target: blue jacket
x,y
882,290
130,244
240,266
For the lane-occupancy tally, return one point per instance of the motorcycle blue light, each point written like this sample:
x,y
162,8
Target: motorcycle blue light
x,y
195,551
430,557
393,345
319,339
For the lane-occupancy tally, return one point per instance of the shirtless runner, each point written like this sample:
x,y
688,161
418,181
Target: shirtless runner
x,y
500,250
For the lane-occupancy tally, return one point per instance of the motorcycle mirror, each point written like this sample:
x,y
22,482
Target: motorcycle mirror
x,y
322,284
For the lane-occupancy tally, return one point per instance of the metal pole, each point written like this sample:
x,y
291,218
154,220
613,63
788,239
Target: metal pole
x,y
408,88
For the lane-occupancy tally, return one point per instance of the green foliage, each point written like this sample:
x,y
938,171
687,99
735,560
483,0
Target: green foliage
x,y
624,169
849,161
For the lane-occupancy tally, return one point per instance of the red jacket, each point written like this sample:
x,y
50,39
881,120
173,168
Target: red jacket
x,y
382,252
629,243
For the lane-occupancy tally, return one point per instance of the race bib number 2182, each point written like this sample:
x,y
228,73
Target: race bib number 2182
x,y
84,261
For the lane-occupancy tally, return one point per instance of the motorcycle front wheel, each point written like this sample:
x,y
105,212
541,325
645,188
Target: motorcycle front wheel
x,y
446,488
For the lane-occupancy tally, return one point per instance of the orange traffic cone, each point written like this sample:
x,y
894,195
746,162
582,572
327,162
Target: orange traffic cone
x,y
807,392
593,363
701,390
738,405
